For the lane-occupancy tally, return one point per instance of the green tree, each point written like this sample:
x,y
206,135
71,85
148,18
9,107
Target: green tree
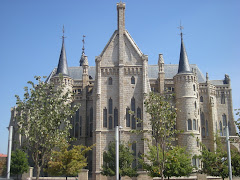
x,y
44,118
19,162
235,161
178,162
126,159
215,163
68,162
163,120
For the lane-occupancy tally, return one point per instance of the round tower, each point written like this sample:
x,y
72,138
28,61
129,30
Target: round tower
x,y
187,104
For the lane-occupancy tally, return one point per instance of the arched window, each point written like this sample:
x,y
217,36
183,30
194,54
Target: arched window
x,y
115,117
201,99
109,81
221,129
194,124
202,119
194,87
110,122
224,119
110,106
139,114
133,122
203,132
132,80
189,124
133,104
127,117
222,98
105,117
77,116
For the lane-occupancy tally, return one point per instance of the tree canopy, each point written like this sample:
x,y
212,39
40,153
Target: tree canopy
x,y
126,159
19,162
68,162
44,118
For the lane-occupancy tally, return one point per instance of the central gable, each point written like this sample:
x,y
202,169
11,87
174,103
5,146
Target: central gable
x,y
131,52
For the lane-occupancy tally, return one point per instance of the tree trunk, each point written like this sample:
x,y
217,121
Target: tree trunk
x,y
38,172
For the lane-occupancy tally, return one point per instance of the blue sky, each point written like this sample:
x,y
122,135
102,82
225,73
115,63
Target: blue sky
x,y
31,33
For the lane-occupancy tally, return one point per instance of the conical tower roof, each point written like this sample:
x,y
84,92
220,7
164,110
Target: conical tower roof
x,y
62,63
183,66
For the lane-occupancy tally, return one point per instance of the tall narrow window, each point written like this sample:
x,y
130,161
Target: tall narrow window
x,y
194,87
133,104
139,116
105,117
222,98
224,119
220,127
132,80
110,122
194,124
206,127
133,122
201,99
127,117
115,117
189,124
110,81
203,132
77,115
110,106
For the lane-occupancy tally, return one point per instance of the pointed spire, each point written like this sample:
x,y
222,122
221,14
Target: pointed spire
x,y
62,63
184,66
83,60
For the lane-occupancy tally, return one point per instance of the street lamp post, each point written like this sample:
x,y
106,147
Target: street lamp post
x,y
228,154
9,151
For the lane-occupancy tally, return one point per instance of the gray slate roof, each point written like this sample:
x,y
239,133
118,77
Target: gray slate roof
x,y
170,71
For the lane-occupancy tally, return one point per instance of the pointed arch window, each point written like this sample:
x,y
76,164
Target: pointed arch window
x,y
110,81
105,117
133,104
115,117
127,117
224,119
189,124
203,132
110,106
221,128
133,122
132,80
139,116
